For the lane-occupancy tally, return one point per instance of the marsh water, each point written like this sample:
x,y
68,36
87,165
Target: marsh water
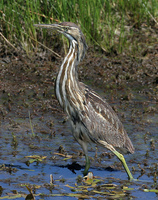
x,y
39,157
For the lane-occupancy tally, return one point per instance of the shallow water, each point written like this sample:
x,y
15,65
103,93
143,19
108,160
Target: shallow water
x,y
51,135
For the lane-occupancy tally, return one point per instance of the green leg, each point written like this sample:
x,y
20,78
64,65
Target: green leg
x,y
122,159
87,165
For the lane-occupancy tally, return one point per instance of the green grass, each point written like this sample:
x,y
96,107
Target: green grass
x,y
105,23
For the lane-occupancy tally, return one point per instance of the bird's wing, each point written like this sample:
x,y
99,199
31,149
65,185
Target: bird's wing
x,y
102,122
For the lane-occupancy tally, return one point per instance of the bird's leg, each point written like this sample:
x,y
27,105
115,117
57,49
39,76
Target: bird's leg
x,y
122,159
87,165
85,150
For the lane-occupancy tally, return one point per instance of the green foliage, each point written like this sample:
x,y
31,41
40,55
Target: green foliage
x,y
102,21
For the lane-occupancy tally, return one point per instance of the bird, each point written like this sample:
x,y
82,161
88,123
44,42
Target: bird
x,y
92,119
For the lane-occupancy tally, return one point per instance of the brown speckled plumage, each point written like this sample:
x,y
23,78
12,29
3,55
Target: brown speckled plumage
x,y
92,118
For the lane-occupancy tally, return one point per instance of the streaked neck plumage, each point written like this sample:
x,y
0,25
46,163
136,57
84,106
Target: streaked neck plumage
x,y
67,84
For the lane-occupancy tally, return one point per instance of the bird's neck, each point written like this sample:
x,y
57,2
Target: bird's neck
x,y
67,84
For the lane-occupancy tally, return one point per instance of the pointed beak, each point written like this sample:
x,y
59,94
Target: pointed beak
x,y
56,27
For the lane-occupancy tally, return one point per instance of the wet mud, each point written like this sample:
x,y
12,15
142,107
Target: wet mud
x,y
38,154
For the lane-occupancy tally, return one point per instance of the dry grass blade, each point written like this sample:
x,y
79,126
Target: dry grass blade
x,y
7,41
56,54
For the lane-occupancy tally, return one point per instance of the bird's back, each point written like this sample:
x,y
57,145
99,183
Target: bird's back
x,y
102,123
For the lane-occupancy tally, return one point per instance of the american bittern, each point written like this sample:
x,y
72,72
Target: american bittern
x,y
92,118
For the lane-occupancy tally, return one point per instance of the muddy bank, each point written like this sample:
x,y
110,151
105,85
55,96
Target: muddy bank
x,y
32,122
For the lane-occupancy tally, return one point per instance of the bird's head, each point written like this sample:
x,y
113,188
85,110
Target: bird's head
x,y
72,32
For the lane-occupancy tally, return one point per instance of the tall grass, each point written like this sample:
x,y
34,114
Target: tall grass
x,y
102,21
